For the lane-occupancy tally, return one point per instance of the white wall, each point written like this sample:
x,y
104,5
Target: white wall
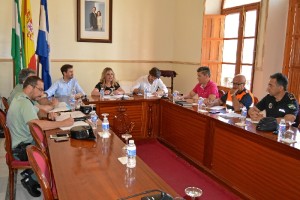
x,y
270,58
146,33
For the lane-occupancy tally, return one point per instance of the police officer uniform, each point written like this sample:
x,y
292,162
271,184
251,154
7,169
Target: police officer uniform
x,y
278,109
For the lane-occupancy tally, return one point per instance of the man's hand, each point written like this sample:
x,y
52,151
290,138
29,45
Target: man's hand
x,y
52,116
255,114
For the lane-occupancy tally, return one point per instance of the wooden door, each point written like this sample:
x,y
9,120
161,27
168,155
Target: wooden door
x,y
291,64
212,45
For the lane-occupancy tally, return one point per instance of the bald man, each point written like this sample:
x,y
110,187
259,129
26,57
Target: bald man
x,y
237,97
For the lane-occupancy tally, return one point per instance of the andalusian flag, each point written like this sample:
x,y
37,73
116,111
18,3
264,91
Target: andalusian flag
x,y
43,46
17,52
27,27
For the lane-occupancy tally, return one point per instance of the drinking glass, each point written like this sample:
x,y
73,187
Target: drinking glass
x,y
193,192
112,91
126,136
289,133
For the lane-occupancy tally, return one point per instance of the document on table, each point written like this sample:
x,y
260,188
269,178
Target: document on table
x,y
62,106
114,97
78,123
217,108
230,115
65,115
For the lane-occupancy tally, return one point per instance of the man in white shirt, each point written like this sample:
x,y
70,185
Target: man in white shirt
x,y
64,86
152,82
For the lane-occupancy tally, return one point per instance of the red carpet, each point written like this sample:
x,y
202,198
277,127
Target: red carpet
x,y
178,173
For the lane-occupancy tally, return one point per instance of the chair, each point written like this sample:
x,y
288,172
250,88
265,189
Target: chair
x,y
39,137
41,167
255,100
171,74
12,163
221,93
5,103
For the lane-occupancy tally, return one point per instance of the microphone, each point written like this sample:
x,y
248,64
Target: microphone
x,y
162,196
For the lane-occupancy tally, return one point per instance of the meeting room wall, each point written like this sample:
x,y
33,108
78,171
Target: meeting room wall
x,y
146,33
143,37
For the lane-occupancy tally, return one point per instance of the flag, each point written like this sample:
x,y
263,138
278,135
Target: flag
x,y
27,28
43,46
17,51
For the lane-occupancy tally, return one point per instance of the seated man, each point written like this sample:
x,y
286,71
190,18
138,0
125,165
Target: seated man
x,y
64,86
21,112
238,96
41,103
152,82
205,88
278,103
24,73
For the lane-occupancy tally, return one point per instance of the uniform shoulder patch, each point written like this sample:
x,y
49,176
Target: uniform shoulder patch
x,y
291,96
292,106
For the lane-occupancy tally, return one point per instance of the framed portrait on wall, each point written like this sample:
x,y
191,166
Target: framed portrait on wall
x,y
94,21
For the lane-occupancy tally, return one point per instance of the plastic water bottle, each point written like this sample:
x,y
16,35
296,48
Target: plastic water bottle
x,y
131,154
145,92
200,104
175,94
94,119
105,126
282,128
243,115
102,93
72,99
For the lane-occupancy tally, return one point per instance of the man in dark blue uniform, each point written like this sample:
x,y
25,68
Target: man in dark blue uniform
x,y
278,103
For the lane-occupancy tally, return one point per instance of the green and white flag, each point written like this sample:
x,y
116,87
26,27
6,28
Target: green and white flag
x,y
17,51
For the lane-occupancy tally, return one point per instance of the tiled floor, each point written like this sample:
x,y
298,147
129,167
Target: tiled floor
x,y
21,192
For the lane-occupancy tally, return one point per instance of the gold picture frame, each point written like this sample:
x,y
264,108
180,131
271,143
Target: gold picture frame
x,y
94,21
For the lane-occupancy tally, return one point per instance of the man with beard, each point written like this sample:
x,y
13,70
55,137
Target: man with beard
x,y
64,86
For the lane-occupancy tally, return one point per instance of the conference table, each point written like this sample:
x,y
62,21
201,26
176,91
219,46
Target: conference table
x,y
86,169
254,164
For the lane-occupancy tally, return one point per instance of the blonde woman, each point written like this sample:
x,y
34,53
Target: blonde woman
x,y
109,83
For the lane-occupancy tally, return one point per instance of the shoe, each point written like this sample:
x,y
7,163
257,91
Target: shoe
x,y
29,185
26,173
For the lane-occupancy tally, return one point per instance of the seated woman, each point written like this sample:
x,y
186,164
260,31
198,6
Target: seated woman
x,y
108,82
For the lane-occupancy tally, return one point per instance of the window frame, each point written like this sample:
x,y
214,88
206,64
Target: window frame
x,y
242,11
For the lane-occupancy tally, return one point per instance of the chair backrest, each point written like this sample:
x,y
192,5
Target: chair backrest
x,y
40,165
255,100
39,137
221,93
8,146
5,103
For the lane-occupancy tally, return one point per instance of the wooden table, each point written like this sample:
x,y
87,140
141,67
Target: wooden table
x,y
143,112
251,162
91,170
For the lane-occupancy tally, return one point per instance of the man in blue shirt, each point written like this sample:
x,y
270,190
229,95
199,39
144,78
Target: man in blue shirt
x,y
64,86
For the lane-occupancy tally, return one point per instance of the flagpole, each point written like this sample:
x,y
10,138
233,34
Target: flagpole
x,y
14,73
38,66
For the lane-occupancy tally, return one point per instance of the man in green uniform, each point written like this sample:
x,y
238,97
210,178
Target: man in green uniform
x,y
21,112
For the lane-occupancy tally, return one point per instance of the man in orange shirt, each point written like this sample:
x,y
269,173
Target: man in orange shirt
x,y
238,96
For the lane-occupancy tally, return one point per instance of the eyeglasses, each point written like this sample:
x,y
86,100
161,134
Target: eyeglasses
x,y
237,83
40,89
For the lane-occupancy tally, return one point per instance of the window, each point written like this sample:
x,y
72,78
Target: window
x,y
240,31
229,42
